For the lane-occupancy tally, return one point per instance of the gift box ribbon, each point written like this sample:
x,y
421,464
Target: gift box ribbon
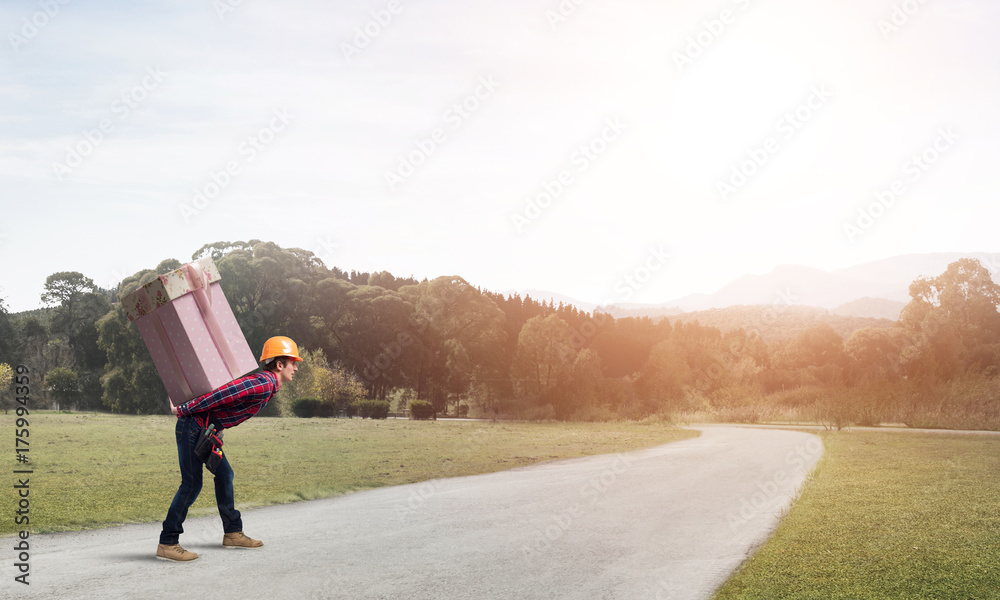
x,y
203,297
202,292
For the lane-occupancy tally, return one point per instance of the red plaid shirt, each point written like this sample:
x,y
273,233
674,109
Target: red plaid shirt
x,y
235,402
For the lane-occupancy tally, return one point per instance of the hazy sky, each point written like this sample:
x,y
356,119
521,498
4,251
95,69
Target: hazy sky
x,y
519,144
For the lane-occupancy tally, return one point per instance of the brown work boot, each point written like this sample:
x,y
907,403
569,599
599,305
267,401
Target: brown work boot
x,y
240,540
174,552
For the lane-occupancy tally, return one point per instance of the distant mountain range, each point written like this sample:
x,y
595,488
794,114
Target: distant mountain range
x,y
874,290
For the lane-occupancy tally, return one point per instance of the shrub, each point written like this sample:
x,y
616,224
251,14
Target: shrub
x,y
271,409
968,402
798,397
735,395
777,380
660,418
421,409
740,414
372,409
307,407
540,413
838,408
591,413
463,410
64,386
876,404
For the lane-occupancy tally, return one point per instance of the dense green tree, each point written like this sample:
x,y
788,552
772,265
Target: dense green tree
x,y
453,320
41,351
383,279
66,288
448,342
624,345
952,320
665,376
86,351
217,250
72,293
876,352
64,386
6,377
815,346
545,356
965,296
368,330
79,303
331,315
9,352
740,344
338,386
584,388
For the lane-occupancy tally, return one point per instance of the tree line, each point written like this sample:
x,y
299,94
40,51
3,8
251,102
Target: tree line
x,y
460,348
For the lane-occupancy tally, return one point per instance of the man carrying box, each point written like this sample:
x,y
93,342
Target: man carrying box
x,y
226,406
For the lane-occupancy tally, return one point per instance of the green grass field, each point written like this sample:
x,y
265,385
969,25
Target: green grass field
x,y
887,515
93,470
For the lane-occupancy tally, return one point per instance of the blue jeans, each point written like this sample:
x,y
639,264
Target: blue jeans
x,y
187,431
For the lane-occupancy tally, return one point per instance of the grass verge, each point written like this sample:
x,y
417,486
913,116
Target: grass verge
x,y
93,470
887,515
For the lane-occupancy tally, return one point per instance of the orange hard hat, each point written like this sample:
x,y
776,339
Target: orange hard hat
x,y
280,345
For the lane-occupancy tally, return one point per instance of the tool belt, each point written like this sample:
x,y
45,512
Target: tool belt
x,y
208,448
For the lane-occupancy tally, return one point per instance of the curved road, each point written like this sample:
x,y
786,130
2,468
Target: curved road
x,y
667,522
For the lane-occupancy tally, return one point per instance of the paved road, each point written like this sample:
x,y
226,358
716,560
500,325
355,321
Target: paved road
x,y
667,522
883,429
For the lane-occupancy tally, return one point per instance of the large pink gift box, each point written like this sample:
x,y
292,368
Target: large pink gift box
x,y
190,330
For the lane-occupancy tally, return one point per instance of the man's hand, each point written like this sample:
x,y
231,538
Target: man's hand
x,y
173,409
